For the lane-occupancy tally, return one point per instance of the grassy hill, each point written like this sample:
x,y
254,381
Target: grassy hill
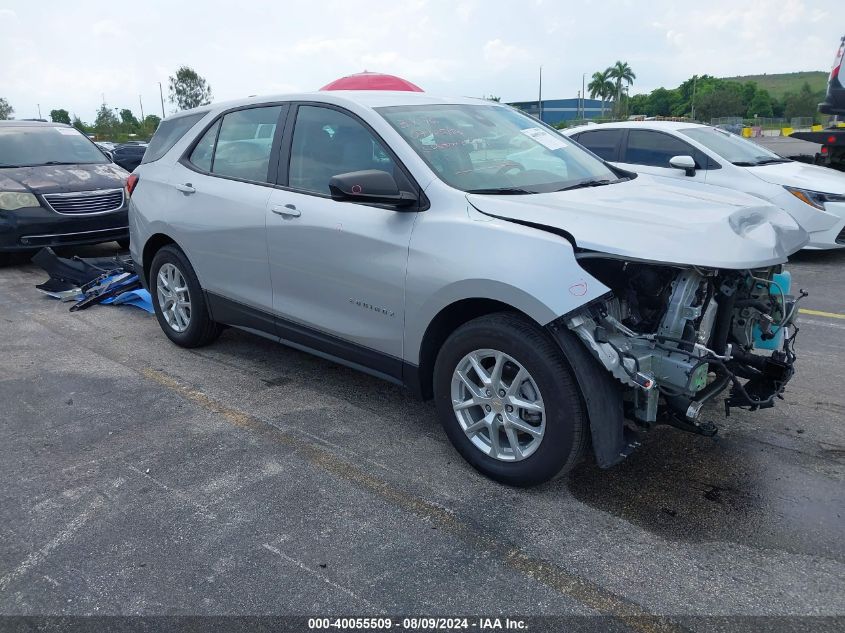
x,y
779,84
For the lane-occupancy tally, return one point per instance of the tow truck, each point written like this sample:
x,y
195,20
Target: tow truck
x,y
832,139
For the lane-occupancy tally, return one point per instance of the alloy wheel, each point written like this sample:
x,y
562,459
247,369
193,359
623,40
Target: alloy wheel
x,y
498,405
173,297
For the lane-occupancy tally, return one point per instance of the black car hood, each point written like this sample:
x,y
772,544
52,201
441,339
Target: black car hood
x,y
62,178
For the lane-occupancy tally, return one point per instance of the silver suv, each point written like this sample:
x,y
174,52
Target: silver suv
x,y
544,298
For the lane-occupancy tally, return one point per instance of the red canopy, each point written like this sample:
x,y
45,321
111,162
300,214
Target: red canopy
x,y
372,81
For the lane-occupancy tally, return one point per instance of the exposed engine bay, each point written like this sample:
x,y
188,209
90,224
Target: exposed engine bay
x,y
677,336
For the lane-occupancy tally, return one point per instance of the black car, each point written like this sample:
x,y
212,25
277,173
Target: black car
x,y
57,188
128,155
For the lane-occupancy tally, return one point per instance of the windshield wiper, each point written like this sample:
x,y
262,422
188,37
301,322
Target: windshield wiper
x,y
771,161
588,183
502,191
764,161
59,162
10,165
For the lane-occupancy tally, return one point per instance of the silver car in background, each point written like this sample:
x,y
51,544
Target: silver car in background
x,y
544,298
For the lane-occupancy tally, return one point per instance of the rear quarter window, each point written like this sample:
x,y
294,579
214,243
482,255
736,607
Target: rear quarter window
x,y
603,143
168,133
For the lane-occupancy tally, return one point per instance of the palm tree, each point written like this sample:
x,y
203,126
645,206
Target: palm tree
x,y
619,72
601,86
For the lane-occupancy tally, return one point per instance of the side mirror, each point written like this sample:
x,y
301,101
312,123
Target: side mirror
x,y
370,186
686,163
108,154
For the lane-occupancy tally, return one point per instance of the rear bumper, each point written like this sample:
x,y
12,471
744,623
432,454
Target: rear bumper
x,y
32,228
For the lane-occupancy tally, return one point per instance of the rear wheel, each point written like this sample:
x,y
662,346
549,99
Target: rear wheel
x,y
508,401
123,244
179,301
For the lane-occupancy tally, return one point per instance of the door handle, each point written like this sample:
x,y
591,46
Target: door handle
x,y
287,211
187,188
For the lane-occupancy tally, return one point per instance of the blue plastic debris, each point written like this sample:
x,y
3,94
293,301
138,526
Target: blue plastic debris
x,y
104,280
139,298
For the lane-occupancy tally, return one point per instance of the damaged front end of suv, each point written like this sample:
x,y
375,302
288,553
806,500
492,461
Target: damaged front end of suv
x,y
685,300
675,337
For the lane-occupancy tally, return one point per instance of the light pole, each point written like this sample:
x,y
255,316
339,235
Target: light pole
x,y
694,80
39,110
583,95
161,94
540,95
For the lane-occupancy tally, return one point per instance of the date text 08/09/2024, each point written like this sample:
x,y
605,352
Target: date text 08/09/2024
x,y
418,624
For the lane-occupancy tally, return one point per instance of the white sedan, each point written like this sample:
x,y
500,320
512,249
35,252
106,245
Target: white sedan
x,y
814,196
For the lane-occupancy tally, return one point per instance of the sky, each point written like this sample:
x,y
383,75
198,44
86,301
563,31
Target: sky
x,y
72,55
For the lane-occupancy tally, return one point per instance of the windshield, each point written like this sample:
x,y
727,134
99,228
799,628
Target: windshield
x,y
731,147
494,149
30,145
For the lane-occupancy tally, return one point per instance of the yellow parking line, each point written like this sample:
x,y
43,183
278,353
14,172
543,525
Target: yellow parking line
x,y
829,315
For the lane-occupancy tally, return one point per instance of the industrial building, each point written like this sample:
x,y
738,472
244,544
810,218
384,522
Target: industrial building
x,y
556,110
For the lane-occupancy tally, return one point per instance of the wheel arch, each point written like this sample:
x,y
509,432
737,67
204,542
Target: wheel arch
x,y
154,244
446,321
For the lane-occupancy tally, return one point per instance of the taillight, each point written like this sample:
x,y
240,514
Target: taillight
x,y
131,183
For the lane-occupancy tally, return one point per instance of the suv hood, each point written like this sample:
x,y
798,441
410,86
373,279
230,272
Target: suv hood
x,y
801,175
643,219
62,178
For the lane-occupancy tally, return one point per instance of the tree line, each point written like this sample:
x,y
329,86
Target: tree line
x,y
705,98
187,89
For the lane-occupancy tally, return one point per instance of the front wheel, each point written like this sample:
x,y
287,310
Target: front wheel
x,y
508,401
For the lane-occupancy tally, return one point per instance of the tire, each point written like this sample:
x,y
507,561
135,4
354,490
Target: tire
x,y
519,342
123,244
198,329
5,259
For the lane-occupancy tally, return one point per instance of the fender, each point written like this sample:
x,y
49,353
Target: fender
x,y
474,256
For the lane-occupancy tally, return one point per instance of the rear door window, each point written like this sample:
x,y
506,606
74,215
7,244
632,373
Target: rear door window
x,y
244,143
655,149
602,143
168,133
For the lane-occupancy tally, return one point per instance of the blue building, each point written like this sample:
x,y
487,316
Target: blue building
x,y
556,110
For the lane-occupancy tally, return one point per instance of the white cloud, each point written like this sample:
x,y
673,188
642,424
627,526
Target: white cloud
x,y
501,55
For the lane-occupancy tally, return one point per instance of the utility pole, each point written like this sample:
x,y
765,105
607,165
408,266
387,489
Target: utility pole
x,y
39,110
161,94
540,95
583,95
141,103
694,80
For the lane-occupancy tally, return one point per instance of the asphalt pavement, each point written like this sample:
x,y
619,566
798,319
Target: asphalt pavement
x,y
247,478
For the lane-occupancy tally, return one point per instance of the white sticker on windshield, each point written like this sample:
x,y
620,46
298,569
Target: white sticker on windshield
x,y
544,138
68,131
